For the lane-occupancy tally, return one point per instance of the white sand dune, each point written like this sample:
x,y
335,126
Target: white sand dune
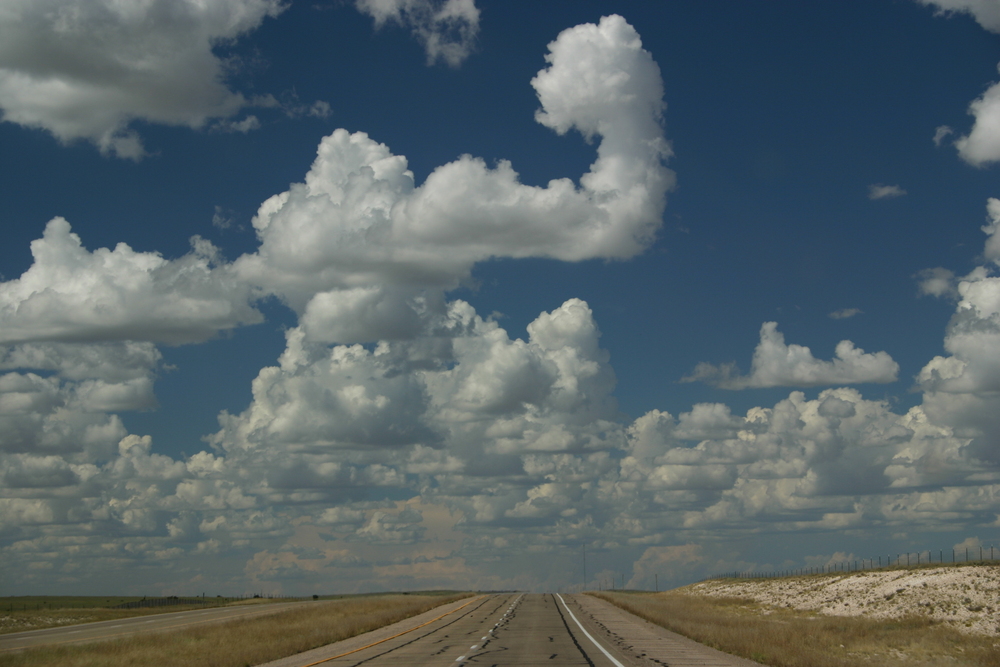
x,y
966,597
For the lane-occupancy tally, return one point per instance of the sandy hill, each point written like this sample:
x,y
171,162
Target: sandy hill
x,y
966,597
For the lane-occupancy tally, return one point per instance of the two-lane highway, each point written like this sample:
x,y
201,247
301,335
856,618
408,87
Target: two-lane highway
x,y
519,630
514,629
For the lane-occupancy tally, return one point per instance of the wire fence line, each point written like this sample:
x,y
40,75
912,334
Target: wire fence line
x,y
910,559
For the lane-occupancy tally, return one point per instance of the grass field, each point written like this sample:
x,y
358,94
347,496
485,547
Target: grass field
x,y
242,642
786,638
35,612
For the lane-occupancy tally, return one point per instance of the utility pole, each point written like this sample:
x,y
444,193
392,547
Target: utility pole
x,y
656,578
584,566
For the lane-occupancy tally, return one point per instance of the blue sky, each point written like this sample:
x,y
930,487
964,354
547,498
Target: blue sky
x,y
411,294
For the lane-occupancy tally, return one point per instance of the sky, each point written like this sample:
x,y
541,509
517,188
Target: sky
x,y
331,296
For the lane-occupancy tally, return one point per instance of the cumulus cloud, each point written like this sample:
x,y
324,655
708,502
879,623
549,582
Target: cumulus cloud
x,y
503,431
359,240
88,69
108,361
982,145
828,463
879,191
961,388
776,364
501,444
986,12
972,339
72,294
991,251
973,335
937,282
447,29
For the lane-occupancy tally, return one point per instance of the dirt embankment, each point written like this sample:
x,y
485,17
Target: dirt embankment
x,y
966,597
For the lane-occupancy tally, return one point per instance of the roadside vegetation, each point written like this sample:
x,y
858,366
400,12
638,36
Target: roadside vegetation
x,y
35,612
783,637
241,642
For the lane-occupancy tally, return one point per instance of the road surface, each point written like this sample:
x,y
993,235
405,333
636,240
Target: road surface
x,y
88,632
518,630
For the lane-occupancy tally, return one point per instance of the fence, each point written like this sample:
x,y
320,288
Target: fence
x,y
911,559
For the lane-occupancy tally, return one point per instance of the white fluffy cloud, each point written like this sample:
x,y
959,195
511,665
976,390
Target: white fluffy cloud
x,y
500,444
86,69
972,340
447,29
986,12
982,145
359,240
973,335
72,294
992,230
776,364
961,388
832,462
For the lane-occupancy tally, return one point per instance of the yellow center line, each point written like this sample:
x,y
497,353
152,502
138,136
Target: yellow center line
x,y
400,634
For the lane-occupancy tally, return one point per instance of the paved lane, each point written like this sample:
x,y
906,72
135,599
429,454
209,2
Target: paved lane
x,y
88,632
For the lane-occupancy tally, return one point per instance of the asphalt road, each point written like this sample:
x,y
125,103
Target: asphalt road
x,y
88,632
518,630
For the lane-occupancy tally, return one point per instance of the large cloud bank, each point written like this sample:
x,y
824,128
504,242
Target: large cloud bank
x,y
403,440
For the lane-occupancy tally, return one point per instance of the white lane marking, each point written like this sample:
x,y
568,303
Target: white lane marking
x,y
460,658
603,650
474,647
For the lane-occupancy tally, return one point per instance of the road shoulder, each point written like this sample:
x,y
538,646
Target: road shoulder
x,y
645,644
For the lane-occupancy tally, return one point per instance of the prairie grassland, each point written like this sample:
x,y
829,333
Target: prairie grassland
x,y
788,638
35,612
241,642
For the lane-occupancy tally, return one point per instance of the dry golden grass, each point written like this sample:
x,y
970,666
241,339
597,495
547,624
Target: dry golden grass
x,y
36,613
242,642
786,638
